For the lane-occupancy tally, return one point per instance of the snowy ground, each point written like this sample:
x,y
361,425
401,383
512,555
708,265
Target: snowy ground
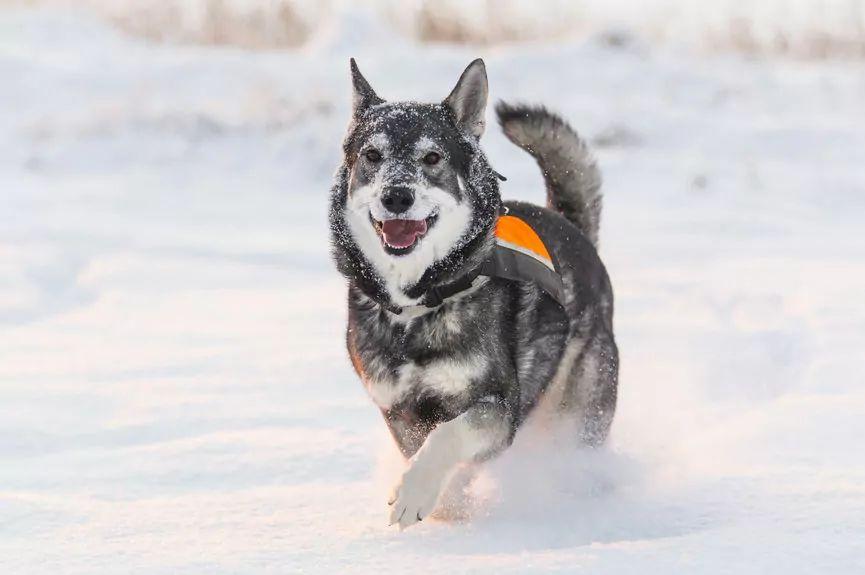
x,y
174,392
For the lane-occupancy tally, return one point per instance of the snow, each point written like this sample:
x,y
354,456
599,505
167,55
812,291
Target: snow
x,y
174,392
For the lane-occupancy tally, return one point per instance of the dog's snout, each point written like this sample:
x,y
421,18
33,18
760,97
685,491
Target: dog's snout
x,y
398,199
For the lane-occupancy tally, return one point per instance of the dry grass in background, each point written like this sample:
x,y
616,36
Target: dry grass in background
x,y
488,22
253,24
260,25
797,28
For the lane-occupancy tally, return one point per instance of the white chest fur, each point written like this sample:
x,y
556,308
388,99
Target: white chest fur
x,y
445,377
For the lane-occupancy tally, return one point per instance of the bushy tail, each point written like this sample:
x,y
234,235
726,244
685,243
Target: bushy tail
x,y
570,172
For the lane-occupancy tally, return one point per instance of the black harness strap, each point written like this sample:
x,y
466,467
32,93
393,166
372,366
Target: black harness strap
x,y
503,263
516,266
436,296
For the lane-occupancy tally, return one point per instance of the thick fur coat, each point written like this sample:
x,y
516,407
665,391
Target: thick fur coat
x,y
414,206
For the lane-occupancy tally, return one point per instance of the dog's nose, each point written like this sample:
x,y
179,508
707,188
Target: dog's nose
x,y
397,199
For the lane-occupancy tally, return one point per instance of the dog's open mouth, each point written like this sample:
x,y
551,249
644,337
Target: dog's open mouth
x,y
399,237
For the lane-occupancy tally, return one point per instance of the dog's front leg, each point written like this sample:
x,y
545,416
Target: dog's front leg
x,y
482,430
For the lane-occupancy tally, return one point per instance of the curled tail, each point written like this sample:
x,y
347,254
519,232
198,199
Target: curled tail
x,y
570,172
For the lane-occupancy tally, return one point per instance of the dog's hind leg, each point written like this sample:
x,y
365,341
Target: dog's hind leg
x,y
588,387
478,433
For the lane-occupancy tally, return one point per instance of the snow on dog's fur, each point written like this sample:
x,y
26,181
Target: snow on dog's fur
x,y
414,208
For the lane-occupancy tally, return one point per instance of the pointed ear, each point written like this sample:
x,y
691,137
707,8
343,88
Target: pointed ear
x,y
468,100
363,96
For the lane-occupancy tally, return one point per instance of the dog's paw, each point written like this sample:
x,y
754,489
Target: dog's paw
x,y
415,497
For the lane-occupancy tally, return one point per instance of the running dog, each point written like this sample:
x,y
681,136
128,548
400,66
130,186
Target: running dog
x,y
466,312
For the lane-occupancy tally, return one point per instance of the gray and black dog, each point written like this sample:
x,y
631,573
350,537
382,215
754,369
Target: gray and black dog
x,y
455,360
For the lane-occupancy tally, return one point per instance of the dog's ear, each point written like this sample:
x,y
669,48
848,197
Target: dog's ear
x,y
468,100
363,95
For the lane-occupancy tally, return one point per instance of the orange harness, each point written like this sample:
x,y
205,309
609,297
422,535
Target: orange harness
x,y
514,234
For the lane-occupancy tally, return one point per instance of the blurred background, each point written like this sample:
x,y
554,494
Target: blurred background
x,y
803,28
175,396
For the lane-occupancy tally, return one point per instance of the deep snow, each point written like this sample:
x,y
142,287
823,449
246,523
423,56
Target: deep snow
x,y
174,392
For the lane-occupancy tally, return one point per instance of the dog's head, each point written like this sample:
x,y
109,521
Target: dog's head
x,y
417,188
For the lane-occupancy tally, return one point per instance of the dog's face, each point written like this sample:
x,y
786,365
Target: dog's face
x,y
409,203
406,178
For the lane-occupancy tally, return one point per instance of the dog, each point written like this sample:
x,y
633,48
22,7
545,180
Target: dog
x,y
457,352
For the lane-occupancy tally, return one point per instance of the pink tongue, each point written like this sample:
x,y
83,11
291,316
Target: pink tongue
x,y
402,233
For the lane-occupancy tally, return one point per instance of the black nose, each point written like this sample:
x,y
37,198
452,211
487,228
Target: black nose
x,y
397,199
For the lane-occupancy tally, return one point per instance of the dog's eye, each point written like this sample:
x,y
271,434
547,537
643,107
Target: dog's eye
x,y
432,159
373,156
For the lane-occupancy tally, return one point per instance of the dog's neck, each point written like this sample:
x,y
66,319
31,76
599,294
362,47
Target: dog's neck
x,y
444,279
